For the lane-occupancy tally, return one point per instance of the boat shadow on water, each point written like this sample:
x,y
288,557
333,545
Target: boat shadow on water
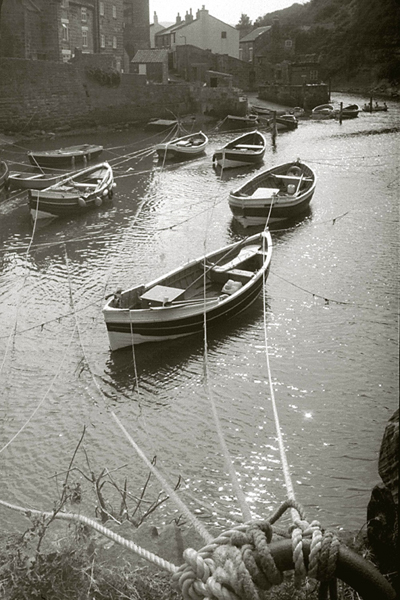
x,y
174,355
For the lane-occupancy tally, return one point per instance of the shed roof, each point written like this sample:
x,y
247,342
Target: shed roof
x,y
153,55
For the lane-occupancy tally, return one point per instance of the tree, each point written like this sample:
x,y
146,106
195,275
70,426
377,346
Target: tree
x,y
244,22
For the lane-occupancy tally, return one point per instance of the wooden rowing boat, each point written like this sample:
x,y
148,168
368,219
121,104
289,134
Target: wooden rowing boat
x,y
34,181
65,156
187,146
245,150
350,112
212,288
81,191
323,111
275,195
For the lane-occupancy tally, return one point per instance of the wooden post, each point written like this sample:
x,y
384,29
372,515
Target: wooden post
x,y
274,130
370,103
340,113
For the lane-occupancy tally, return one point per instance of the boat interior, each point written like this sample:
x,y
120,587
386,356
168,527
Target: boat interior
x,y
202,281
282,183
252,141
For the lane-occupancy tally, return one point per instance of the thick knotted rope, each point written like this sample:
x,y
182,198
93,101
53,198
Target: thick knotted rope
x,y
238,564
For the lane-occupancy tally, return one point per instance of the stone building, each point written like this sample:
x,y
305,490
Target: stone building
x,y
250,43
136,27
62,29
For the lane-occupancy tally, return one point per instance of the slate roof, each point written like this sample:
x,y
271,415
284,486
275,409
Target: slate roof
x,y
250,37
150,56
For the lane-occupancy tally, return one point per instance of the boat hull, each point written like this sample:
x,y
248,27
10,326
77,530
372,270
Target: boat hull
x,y
65,156
278,194
188,146
255,214
159,323
70,196
230,159
123,333
37,182
245,150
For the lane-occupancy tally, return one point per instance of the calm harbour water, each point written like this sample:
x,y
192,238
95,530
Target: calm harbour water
x,y
331,316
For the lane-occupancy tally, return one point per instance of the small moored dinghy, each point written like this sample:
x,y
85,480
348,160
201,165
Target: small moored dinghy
x,y
323,111
81,191
214,287
187,146
34,181
350,112
65,156
280,193
245,150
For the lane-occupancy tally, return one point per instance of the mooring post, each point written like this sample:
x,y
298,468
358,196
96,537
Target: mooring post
x,y
273,131
340,113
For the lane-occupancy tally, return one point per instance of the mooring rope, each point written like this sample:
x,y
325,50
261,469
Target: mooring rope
x,y
284,462
228,460
149,556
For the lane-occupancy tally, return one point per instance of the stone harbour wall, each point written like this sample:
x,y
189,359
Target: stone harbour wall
x,y
46,95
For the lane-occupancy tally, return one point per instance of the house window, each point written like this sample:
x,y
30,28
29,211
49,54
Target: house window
x,y
313,75
250,53
65,31
114,11
101,9
223,35
64,3
240,53
84,37
102,41
114,41
288,43
83,14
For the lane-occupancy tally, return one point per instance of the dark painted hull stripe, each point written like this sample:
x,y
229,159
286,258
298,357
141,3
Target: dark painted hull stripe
x,y
277,212
192,324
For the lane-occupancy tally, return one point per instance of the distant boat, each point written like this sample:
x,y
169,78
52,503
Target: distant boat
x,y
236,122
212,288
161,124
65,156
246,150
34,181
275,195
4,174
323,111
286,122
350,112
369,107
261,110
187,146
81,191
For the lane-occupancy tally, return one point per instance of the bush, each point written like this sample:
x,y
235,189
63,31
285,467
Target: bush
x,y
106,77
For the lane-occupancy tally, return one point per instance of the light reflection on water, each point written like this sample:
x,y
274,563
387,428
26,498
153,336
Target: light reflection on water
x,y
332,338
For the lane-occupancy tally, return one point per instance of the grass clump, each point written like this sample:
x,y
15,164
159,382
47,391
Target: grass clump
x,y
73,571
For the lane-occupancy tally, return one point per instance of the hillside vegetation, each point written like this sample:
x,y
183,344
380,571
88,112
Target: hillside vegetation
x,y
357,40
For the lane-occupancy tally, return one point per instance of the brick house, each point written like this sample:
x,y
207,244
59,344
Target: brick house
x,y
203,31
